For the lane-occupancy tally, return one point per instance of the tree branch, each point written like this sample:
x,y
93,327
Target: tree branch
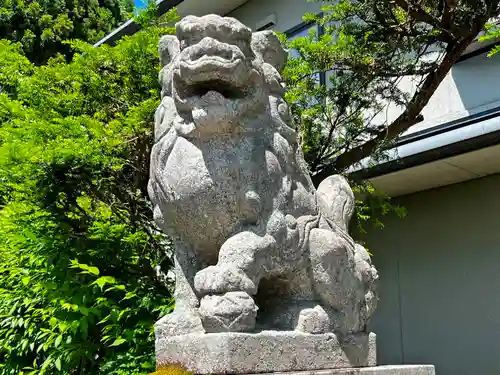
x,y
448,13
408,118
417,13
333,125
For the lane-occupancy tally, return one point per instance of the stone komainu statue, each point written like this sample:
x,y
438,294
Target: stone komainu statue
x,y
257,247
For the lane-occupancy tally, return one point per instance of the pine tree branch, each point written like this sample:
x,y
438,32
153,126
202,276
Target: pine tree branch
x,y
448,13
408,118
418,14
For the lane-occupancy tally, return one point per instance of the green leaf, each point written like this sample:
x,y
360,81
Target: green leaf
x,y
58,341
129,295
94,271
58,364
494,51
69,306
105,319
84,310
84,326
103,280
105,338
118,342
116,287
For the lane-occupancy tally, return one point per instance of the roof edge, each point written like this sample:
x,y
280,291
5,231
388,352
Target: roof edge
x,y
130,27
443,151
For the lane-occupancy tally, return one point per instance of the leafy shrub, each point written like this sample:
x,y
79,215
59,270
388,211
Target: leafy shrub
x,y
41,26
80,260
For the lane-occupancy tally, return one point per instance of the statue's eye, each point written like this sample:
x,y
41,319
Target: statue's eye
x,y
189,40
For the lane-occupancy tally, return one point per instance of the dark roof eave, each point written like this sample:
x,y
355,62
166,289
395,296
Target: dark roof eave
x,y
130,27
445,151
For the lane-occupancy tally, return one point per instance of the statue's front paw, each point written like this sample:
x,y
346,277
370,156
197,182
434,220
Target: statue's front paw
x,y
222,279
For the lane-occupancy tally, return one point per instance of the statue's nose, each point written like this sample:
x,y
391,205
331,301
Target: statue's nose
x,y
210,47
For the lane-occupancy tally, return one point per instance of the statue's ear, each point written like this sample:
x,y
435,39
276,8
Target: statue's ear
x,y
168,48
336,200
267,45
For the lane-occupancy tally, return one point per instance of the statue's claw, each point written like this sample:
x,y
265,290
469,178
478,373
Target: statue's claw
x,y
222,279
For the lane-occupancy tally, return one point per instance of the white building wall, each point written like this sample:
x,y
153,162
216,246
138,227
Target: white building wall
x,y
288,13
471,87
439,280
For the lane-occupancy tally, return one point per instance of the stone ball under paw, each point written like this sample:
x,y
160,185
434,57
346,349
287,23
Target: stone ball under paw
x,y
231,312
314,321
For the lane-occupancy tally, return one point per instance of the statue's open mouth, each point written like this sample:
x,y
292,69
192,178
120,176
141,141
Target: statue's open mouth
x,y
225,77
211,88
224,88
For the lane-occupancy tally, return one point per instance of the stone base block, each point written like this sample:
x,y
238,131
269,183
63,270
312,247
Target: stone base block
x,y
380,370
267,351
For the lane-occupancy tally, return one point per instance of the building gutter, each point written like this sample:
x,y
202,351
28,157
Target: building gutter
x,y
483,50
443,141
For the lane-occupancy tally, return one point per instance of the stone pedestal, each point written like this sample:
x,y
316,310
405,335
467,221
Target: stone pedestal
x,y
267,351
380,370
277,353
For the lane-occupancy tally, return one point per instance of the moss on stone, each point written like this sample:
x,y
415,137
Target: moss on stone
x,y
172,370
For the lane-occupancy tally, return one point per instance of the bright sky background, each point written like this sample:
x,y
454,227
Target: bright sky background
x,y
140,3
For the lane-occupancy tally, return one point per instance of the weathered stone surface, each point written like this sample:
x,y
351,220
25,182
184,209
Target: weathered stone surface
x,y
257,247
232,312
314,320
185,321
267,351
267,276
381,370
230,185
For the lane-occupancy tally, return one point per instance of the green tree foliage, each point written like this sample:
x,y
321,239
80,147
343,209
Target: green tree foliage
x,y
80,259
41,26
492,34
375,54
